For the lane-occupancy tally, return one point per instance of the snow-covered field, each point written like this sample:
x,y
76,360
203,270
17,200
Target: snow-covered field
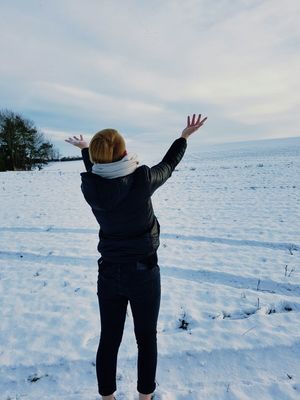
x,y
229,323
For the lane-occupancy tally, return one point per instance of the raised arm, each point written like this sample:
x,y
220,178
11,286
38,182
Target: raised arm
x,y
83,145
159,173
86,159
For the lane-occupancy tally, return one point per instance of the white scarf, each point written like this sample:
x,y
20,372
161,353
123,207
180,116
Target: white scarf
x,y
115,169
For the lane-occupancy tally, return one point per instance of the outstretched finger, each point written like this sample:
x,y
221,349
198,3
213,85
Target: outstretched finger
x,y
188,121
81,138
193,120
198,120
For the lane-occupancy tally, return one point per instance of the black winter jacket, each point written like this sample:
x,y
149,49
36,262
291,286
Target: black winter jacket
x,y
129,229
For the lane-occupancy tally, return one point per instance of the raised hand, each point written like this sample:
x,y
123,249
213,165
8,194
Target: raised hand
x,y
192,126
78,142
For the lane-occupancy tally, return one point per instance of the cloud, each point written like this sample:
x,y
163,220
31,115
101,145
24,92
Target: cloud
x,y
143,66
87,101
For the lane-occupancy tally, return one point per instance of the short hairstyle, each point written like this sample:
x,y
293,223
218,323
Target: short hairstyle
x,y
106,146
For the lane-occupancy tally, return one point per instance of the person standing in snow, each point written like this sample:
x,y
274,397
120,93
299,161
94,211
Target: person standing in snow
x,y
119,192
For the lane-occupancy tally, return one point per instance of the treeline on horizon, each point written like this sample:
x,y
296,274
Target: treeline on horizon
x,y
23,146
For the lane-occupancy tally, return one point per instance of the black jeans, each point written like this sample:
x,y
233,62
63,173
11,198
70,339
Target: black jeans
x,y
139,283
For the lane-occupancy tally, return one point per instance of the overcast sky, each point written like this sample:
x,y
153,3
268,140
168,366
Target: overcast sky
x,y
142,66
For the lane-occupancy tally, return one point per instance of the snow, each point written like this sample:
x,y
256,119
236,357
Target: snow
x,y
229,322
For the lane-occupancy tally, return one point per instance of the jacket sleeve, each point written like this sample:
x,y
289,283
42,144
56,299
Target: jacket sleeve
x,y
159,173
86,159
